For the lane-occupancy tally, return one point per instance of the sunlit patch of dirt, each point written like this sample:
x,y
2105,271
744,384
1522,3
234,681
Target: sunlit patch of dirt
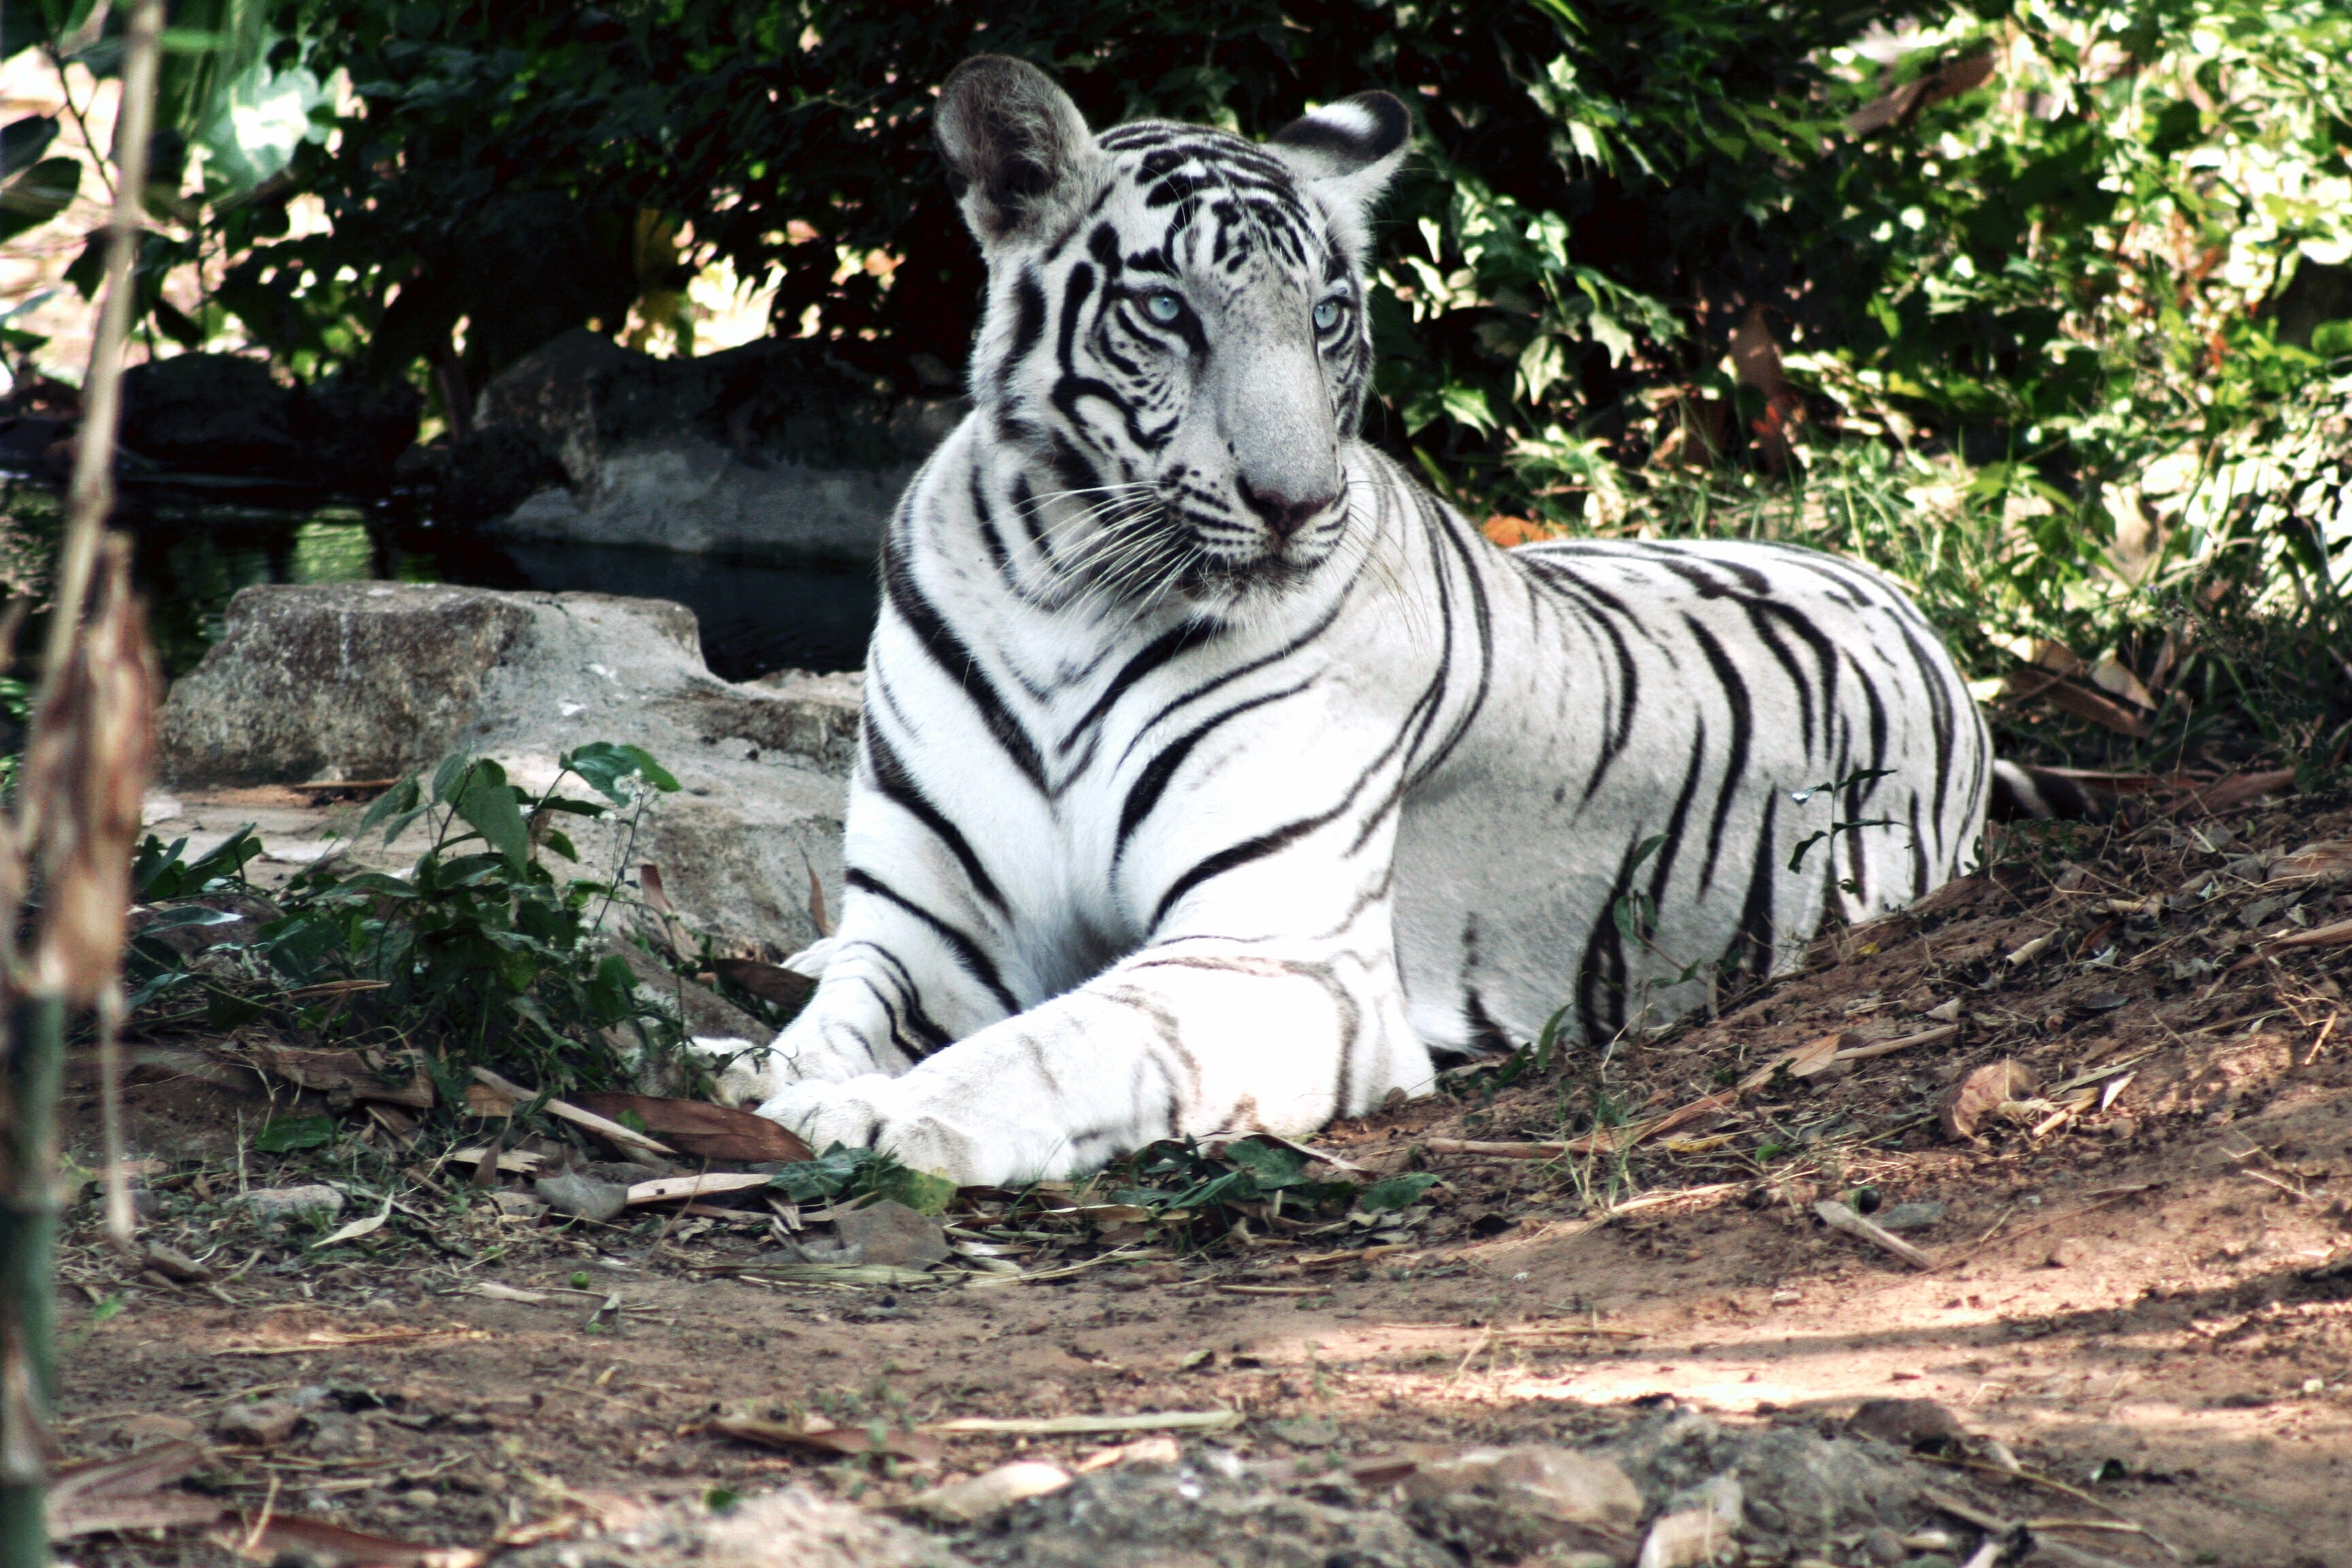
x,y
2140,1275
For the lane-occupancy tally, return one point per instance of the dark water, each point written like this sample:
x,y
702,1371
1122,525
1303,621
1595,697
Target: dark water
x,y
193,554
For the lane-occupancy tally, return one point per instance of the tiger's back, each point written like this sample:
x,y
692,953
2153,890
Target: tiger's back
x,y
1687,752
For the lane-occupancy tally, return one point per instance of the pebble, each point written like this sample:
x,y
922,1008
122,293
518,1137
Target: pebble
x,y
263,1423
582,1197
142,1429
890,1233
275,1205
1907,1423
2068,1253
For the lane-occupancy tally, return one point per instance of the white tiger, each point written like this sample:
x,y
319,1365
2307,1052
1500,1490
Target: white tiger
x,y
1214,773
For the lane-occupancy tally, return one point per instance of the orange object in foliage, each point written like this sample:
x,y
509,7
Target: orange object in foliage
x,y
1508,531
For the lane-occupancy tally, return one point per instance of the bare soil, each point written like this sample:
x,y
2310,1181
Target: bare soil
x,y
2144,1291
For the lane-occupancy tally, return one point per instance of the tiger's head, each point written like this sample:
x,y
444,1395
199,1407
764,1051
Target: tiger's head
x,y
1175,332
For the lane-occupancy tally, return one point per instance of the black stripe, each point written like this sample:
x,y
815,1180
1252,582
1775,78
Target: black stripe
x,y
1734,762
1178,640
1241,854
1152,783
967,952
955,660
1028,321
1756,929
898,786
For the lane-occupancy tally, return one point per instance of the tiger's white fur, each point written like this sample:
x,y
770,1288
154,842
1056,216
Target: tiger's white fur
x,y
1213,773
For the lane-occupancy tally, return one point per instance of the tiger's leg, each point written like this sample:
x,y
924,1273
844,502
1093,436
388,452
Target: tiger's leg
x,y
1190,1036
894,989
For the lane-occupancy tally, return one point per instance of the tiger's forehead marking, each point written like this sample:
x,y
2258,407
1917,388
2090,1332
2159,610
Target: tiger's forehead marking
x,y
1227,201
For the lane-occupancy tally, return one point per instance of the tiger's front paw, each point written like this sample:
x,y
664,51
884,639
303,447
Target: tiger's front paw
x,y
880,1112
851,1112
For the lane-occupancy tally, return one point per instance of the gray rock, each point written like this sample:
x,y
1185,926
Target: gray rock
x,y
213,413
1907,1423
1526,1501
1799,1489
521,1205
773,450
889,1233
222,414
1196,1514
582,1198
357,681
787,1529
263,1424
696,1005
278,1205
1908,1216
371,679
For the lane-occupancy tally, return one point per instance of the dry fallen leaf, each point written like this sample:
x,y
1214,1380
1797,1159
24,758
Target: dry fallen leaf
x,y
317,1541
769,981
669,1189
706,1131
1983,1092
822,1437
2327,857
970,1501
122,1494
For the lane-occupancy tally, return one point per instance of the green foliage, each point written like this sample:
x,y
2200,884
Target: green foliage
x,y
2044,306
479,954
1393,1193
843,1175
284,1134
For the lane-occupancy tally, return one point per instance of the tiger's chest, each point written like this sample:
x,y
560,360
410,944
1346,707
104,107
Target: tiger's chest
x,y
1070,784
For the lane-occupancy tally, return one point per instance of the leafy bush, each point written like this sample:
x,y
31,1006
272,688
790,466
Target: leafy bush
x,y
2043,305
478,955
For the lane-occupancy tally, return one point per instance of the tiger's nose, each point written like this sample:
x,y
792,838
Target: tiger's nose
x,y
1284,515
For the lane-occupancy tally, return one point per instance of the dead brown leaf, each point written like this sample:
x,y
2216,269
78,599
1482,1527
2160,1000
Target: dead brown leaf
x,y
122,1494
702,1130
338,1545
817,1436
1974,1099
769,981
2239,788
360,1074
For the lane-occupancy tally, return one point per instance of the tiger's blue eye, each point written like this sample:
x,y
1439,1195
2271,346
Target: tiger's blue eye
x,y
1164,308
1327,315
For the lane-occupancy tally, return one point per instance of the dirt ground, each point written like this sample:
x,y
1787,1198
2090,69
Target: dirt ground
x,y
2139,1282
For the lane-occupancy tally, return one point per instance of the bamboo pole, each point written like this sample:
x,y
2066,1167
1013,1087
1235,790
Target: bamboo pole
x,y
75,812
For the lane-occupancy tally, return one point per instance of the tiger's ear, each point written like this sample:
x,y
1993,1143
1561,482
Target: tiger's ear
x,y
1345,154
1017,149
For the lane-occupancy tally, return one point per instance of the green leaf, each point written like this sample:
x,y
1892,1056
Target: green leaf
x,y
286,1133
400,798
918,1190
1392,1193
22,142
825,1177
496,815
605,765
259,122
449,778
38,194
2332,339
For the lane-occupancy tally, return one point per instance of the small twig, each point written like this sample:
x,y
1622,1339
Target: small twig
x,y
1838,1216
261,1520
2321,1043
2297,1193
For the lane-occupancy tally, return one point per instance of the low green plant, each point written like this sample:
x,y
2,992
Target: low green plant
x,y
846,1175
479,954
